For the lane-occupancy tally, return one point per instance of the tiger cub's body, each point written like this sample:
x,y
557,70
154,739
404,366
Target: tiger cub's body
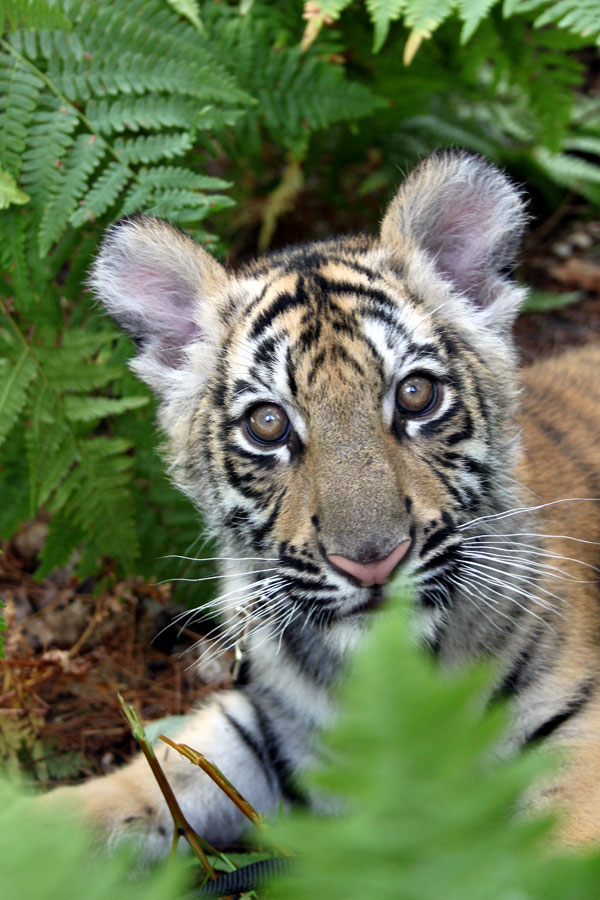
x,y
345,412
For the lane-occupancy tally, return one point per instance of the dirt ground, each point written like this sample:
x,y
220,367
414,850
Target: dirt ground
x,y
70,649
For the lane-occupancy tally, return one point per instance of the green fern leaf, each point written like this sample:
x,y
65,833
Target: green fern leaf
x,y
424,16
578,16
86,375
584,143
147,112
19,89
52,126
186,207
72,179
14,258
9,192
56,469
153,148
86,409
102,194
32,14
472,12
63,537
177,177
16,376
570,171
383,13
189,9
104,509
51,448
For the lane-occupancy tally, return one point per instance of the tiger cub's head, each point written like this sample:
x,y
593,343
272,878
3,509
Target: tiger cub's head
x,y
337,409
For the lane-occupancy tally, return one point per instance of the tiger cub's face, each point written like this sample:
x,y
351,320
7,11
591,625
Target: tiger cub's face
x,y
338,409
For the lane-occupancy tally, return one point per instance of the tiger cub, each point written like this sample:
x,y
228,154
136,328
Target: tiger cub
x,y
344,412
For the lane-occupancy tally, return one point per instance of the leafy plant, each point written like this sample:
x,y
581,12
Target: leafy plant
x,y
103,112
428,811
582,19
45,855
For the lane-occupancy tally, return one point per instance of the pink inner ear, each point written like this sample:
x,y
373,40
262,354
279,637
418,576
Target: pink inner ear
x,y
460,241
160,309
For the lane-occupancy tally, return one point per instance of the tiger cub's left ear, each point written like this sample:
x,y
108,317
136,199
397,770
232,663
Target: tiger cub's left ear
x,y
168,293
458,216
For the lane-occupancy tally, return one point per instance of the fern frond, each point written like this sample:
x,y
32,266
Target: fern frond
x,y
189,9
82,408
16,375
14,258
178,177
19,90
147,112
72,178
52,127
32,14
582,17
9,192
383,13
472,12
570,171
102,506
102,194
153,147
51,445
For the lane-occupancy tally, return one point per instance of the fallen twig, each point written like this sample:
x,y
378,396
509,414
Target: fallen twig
x,y
181,826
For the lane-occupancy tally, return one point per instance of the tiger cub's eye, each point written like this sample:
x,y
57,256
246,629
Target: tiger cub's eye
x,y
416,394
268,424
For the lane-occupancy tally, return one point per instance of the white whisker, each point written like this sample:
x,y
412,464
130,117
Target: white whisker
x,y
494,517
491,584
491,541
522,562
534,581
221,558
214,577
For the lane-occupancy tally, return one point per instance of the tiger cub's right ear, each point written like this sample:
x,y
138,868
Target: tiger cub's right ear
x,y
458,215
165,290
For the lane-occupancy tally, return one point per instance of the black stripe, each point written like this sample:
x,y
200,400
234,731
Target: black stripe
x,y
250,742
436,425
260,460
434,539
447,557
241,481
265,352
279,763
299,565
281,304
465,434
357,290
521,674
260,532
290,373
573,706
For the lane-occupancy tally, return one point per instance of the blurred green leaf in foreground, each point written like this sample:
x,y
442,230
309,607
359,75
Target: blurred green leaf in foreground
x,y
431,812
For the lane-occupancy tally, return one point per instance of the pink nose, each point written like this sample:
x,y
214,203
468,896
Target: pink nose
x,y
377,572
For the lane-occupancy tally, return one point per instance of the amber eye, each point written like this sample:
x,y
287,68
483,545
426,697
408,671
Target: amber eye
x,y
416,394
268,424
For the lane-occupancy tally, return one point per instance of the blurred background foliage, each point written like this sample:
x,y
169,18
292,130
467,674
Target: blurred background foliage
x,y
263,124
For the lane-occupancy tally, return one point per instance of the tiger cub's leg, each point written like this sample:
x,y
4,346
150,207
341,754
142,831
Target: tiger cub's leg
x,y
128,805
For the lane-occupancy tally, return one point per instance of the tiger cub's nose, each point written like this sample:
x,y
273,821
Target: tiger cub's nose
x,y
377,572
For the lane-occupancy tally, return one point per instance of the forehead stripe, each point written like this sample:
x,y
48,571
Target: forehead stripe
x,y
375,295
282,303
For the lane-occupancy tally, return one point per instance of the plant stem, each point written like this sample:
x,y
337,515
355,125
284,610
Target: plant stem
x,y
217,776
181,826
